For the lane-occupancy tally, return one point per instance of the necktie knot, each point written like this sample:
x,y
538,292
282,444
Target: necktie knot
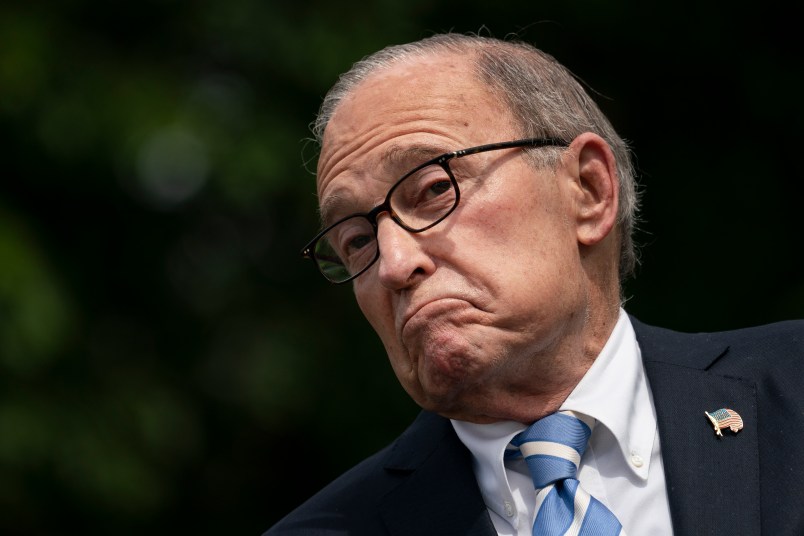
x,y
552,447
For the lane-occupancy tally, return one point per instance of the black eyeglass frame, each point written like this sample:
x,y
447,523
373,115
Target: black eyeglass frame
x,y
308,251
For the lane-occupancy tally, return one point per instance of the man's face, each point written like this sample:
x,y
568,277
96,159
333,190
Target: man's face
x,y
490,303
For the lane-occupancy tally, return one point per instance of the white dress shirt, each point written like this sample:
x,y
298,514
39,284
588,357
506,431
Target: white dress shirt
x,y
622,466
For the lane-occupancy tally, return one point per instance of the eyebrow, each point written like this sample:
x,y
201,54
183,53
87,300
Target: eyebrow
x,y
398,156
331,205
398,159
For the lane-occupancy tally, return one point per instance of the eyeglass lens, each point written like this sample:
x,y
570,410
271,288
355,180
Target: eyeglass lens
x,y
417,201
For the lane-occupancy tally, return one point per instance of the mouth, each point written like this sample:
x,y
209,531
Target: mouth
x,y
421,314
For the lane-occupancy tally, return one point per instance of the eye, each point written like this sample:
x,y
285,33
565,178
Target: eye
x,y
440,187
431,190
352,241
422,187
356,243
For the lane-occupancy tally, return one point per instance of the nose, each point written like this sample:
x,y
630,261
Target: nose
x,y
403,258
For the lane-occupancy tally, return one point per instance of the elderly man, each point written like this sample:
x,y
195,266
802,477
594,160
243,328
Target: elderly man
x,y
482,206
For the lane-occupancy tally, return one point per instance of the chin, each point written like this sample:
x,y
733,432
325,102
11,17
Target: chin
x,y
445,389
440,374
462,405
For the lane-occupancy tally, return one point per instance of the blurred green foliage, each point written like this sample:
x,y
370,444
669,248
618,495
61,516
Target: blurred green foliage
x,y
164,354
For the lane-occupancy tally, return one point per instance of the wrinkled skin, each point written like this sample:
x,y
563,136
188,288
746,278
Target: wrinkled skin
x,y
497,312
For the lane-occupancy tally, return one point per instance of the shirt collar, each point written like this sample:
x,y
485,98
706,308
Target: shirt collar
x,y
487,443
614,391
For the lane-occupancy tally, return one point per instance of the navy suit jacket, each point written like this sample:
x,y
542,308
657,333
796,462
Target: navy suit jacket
x,y
747,483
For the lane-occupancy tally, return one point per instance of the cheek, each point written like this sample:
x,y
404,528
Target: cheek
x,y
377,309
524,251
506,211
513,237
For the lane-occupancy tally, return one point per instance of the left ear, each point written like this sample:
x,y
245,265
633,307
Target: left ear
x,y
595,187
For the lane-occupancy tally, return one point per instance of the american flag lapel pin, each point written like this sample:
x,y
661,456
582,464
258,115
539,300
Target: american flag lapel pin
x,y
725,418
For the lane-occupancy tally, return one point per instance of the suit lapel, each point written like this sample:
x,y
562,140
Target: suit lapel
x,y
712,482
440,495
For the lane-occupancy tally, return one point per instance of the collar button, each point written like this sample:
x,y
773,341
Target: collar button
x,y
509,509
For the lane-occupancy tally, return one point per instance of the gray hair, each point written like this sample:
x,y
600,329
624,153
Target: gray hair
x,y
542,94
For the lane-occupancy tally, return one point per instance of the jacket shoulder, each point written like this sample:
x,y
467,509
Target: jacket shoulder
x,y
333,510
351,503
751,349
768,357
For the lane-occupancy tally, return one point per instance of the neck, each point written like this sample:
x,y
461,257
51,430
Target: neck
x,y
541,385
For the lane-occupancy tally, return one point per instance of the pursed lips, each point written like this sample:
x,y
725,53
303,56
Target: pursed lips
x,y
445,303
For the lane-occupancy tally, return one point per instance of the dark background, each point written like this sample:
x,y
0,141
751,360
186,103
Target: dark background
x,y
167,362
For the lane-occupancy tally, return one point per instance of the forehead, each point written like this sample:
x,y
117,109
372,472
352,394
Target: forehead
x,y
413,109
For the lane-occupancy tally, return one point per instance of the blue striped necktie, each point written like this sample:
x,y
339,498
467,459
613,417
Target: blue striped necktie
x,y
552,448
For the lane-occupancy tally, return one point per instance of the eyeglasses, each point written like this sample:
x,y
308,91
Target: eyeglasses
x,y
421,199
